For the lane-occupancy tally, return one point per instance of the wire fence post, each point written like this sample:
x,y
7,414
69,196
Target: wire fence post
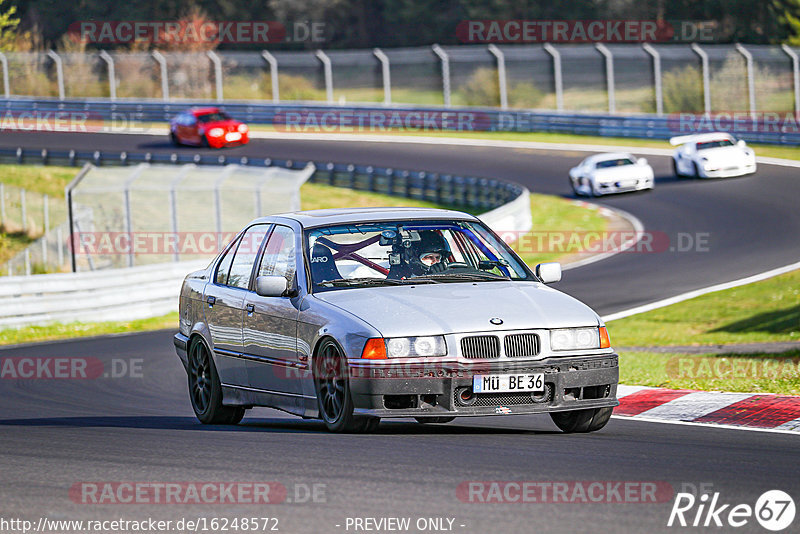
x,y
217,73
273,75
162,62
609,57
445,59
2,205
796,74
656,77
706,78
385,75
6,87
557,79
501,74
27,262
60,246
328,73
46,210
24,208
127,208
112,77
59,72
173,205
751,83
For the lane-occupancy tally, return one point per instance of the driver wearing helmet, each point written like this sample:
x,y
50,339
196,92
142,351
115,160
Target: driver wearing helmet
x,y
426,256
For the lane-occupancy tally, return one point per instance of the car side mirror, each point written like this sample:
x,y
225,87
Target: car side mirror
x,y
641,161
271,286
549,272
741,143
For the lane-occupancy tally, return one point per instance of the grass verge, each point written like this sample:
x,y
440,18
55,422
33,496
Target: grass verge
x,y
766,311
749,373
30,334
761,312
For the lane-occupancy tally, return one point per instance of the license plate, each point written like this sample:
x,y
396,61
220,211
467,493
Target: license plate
x,y
627,184
233,136
508,383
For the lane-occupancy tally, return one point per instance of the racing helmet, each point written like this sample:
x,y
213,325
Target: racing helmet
x,y
432,248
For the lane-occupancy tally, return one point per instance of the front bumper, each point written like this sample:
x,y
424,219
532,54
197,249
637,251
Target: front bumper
x,y
623,186
729,172
571,383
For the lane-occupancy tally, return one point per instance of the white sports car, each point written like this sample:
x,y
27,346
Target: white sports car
x,y
712,155
616,172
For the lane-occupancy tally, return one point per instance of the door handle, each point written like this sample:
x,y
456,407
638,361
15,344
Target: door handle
x,y
250,308
211,299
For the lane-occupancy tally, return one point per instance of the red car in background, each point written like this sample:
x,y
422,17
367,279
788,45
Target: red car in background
x,y
209,127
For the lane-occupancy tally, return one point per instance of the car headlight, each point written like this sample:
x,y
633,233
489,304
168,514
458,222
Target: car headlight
x,y
411,347
242,128
216,132
579,338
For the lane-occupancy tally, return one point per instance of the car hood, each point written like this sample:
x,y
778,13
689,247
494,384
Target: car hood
x,y
448,308
624,172
229,125
722,155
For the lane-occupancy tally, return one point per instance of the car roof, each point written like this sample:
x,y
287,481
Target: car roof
x,y
700,138
609,155
203,111
326,217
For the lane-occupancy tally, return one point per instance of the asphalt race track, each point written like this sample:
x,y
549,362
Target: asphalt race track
x,y
140,427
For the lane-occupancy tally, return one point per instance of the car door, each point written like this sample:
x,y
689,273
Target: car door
x,y
224,301
270,323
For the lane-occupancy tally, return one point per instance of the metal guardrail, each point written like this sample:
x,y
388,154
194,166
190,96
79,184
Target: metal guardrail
x,y
111,295
446,189
294,118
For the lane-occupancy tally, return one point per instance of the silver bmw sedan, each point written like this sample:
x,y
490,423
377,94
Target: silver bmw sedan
x,y
354,315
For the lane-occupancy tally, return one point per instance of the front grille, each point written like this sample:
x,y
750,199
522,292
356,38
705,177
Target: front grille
x,y
509,399
480,347
522,345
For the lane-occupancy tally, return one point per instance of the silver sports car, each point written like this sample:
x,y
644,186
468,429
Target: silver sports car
x,y
355,315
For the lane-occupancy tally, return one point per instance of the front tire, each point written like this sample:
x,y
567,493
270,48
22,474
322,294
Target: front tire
x,y
675,169
333,392
588,420
174,139
205,390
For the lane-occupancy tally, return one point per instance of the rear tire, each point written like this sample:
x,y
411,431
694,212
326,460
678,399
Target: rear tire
x,y
588,420
205,390
333,392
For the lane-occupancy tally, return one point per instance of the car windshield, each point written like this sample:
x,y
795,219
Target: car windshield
x,y
714,144
614,163
213,117
408,252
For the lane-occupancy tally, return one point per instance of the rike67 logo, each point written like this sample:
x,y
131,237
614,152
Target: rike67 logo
x,y
774,510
